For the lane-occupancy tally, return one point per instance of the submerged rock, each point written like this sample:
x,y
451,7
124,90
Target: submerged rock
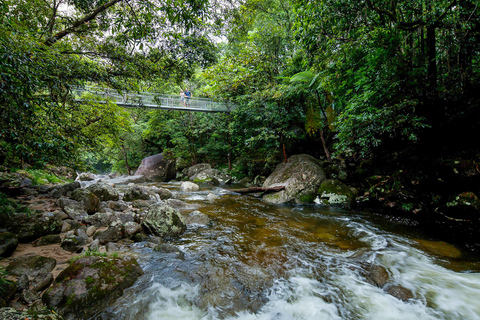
x,y
400,293
301,176
164,221
90,284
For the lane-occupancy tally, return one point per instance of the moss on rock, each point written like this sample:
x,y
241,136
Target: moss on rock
x,y
336,193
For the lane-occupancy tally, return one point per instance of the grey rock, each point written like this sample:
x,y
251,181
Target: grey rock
x,y
114,233
86,176
72,245
100,219
400,292
47,240
112,247
194,170
162,192
126,180
335,193
212,175
94,246
91,231
41,282
12,314
175,203
301,176
63,190
137,193
8,244
31,265
117,205
90,201
31,226
379,275
89,284
132,228
104,191
188,186
157,168
197,219
163,221
125,217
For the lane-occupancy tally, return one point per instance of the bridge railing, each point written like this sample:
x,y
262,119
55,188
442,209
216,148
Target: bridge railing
x,y
151,100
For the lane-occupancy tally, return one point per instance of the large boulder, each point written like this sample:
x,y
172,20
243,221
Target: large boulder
x,y
157,168
31,226
137,193
104,191
64,189
31,265
335,193
8,244
194,170
90,284
164,221
89,200
212,175
301,176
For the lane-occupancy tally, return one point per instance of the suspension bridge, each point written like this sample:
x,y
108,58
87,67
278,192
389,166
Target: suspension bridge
x,y
151,100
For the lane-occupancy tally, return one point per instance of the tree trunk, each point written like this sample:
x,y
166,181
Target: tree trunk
x,y
432,62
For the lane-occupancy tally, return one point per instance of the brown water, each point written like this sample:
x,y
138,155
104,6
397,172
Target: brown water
x,y
261,261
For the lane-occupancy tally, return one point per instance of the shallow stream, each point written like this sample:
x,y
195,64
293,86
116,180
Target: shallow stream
x,y
261,261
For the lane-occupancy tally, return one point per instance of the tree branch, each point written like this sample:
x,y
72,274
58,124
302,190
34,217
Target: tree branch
x,y
58,36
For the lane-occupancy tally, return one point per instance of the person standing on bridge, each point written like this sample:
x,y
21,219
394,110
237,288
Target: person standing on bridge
x,y
182,98
188,96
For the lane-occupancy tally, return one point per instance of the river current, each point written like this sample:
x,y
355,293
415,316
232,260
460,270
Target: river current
x,y
258,261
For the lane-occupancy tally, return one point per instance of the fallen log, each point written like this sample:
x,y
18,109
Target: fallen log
x,y
258,189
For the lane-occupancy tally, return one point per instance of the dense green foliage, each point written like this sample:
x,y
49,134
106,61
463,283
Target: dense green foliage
x,y
372,80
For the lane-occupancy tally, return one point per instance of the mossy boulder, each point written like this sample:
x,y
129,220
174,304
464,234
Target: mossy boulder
x,y
163,221
104,191
31,265
12,314
90,284
32,225
47,240
301,176
90,201
8,244
137,193
64,189
212,175
194,170
336,193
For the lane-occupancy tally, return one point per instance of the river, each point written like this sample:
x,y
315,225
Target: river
x,y
256,260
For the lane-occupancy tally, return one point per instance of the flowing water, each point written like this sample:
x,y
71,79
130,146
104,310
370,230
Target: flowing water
x,y
261,261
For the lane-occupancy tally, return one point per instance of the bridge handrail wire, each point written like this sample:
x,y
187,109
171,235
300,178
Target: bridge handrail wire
x,y
151,99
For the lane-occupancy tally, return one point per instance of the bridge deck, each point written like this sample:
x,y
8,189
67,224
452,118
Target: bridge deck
x,y
152,100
